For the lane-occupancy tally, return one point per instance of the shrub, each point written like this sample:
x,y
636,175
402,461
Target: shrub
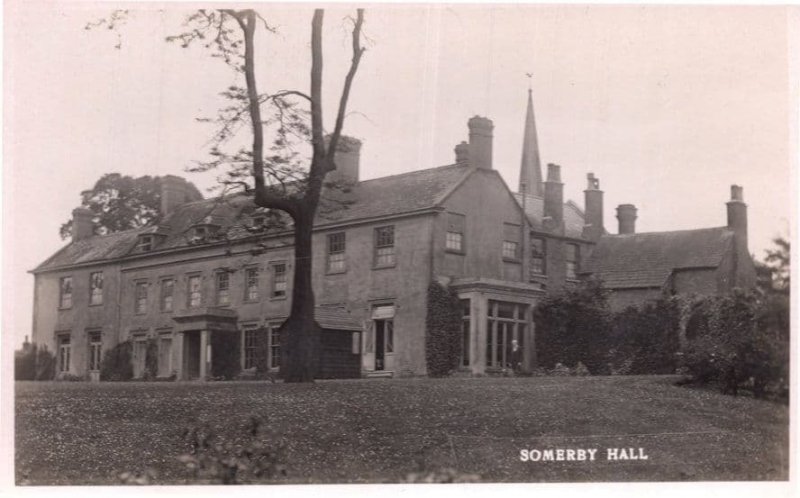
x,y
572,327
646,340
442,330
34,363
249,458
225,355
739,340
116,364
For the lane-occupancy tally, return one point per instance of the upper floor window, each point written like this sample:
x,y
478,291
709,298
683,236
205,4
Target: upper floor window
x,y
96,288
193,292
510,241
455,232
251,284
384,246
223,288
65,292
573,255
167,294
278,280
538,256
336,253
141,297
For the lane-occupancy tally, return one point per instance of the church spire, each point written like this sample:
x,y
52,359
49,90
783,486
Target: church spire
x,y
530,172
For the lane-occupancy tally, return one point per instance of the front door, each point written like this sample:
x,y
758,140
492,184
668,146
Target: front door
x,y
191,357
380,344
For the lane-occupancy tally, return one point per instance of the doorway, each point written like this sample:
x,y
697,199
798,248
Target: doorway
x,y
191,357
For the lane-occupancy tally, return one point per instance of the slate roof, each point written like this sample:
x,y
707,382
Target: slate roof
x,y
380,197
573,215
648,259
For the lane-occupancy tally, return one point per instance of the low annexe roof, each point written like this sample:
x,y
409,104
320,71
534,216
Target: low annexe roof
x,y
370,199
647,260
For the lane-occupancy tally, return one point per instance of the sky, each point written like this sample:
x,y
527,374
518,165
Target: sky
x,y
667,105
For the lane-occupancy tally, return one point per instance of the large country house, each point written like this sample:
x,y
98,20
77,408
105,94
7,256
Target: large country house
x,y
218,268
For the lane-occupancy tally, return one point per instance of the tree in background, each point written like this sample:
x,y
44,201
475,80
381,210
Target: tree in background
x,y
280,176
121,202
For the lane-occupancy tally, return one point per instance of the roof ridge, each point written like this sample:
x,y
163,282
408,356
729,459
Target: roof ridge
x,y
669,232
415,172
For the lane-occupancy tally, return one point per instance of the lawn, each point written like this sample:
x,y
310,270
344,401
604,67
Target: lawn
x,y
382,430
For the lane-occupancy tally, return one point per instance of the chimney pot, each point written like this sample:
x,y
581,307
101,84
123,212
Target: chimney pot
x,y
626,214
480,141
82,227
737,193
462,152
553,173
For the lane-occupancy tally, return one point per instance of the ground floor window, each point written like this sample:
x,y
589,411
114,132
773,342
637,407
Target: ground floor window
x,y
249,346
165,355
139,355
275,346
64,352
95,351
506,323
465,325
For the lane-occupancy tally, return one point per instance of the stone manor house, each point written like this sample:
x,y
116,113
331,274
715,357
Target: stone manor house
x,y
218,267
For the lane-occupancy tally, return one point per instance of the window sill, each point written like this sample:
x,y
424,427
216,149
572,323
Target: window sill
x,y
455,251
95,305
165,311
383,267
512,260
335,272
250,301
277,298
64,309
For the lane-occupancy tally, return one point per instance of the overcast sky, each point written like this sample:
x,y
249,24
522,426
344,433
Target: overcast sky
x,y
668,106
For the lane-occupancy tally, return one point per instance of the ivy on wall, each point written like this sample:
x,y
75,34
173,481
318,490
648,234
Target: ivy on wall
x,y
442,330
225,355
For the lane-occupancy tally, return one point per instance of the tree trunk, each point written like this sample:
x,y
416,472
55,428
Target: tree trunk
x,y
300,335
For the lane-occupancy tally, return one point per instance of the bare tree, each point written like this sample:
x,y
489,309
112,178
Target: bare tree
x,y
278,178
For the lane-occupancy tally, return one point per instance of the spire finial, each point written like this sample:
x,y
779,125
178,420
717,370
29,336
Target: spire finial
x,y
530,79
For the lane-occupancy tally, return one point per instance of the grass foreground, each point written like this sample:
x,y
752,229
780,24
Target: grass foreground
x,y
382,430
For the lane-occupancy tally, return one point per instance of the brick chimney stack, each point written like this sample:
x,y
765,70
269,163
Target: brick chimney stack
x,y
347,159
82,224
173,194
480,141
626,214
462,152
593,203
737,215
554,198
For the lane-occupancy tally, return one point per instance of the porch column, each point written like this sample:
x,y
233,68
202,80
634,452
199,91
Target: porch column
x,y
481,308
178,356
530,362
204,345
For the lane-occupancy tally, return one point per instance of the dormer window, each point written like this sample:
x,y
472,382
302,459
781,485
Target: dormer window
x,y
204,231
145,243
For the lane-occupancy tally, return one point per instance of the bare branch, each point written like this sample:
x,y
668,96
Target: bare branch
x,y
358,51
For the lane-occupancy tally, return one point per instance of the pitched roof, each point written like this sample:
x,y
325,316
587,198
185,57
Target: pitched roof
x,y
380,197
573,215
648,259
